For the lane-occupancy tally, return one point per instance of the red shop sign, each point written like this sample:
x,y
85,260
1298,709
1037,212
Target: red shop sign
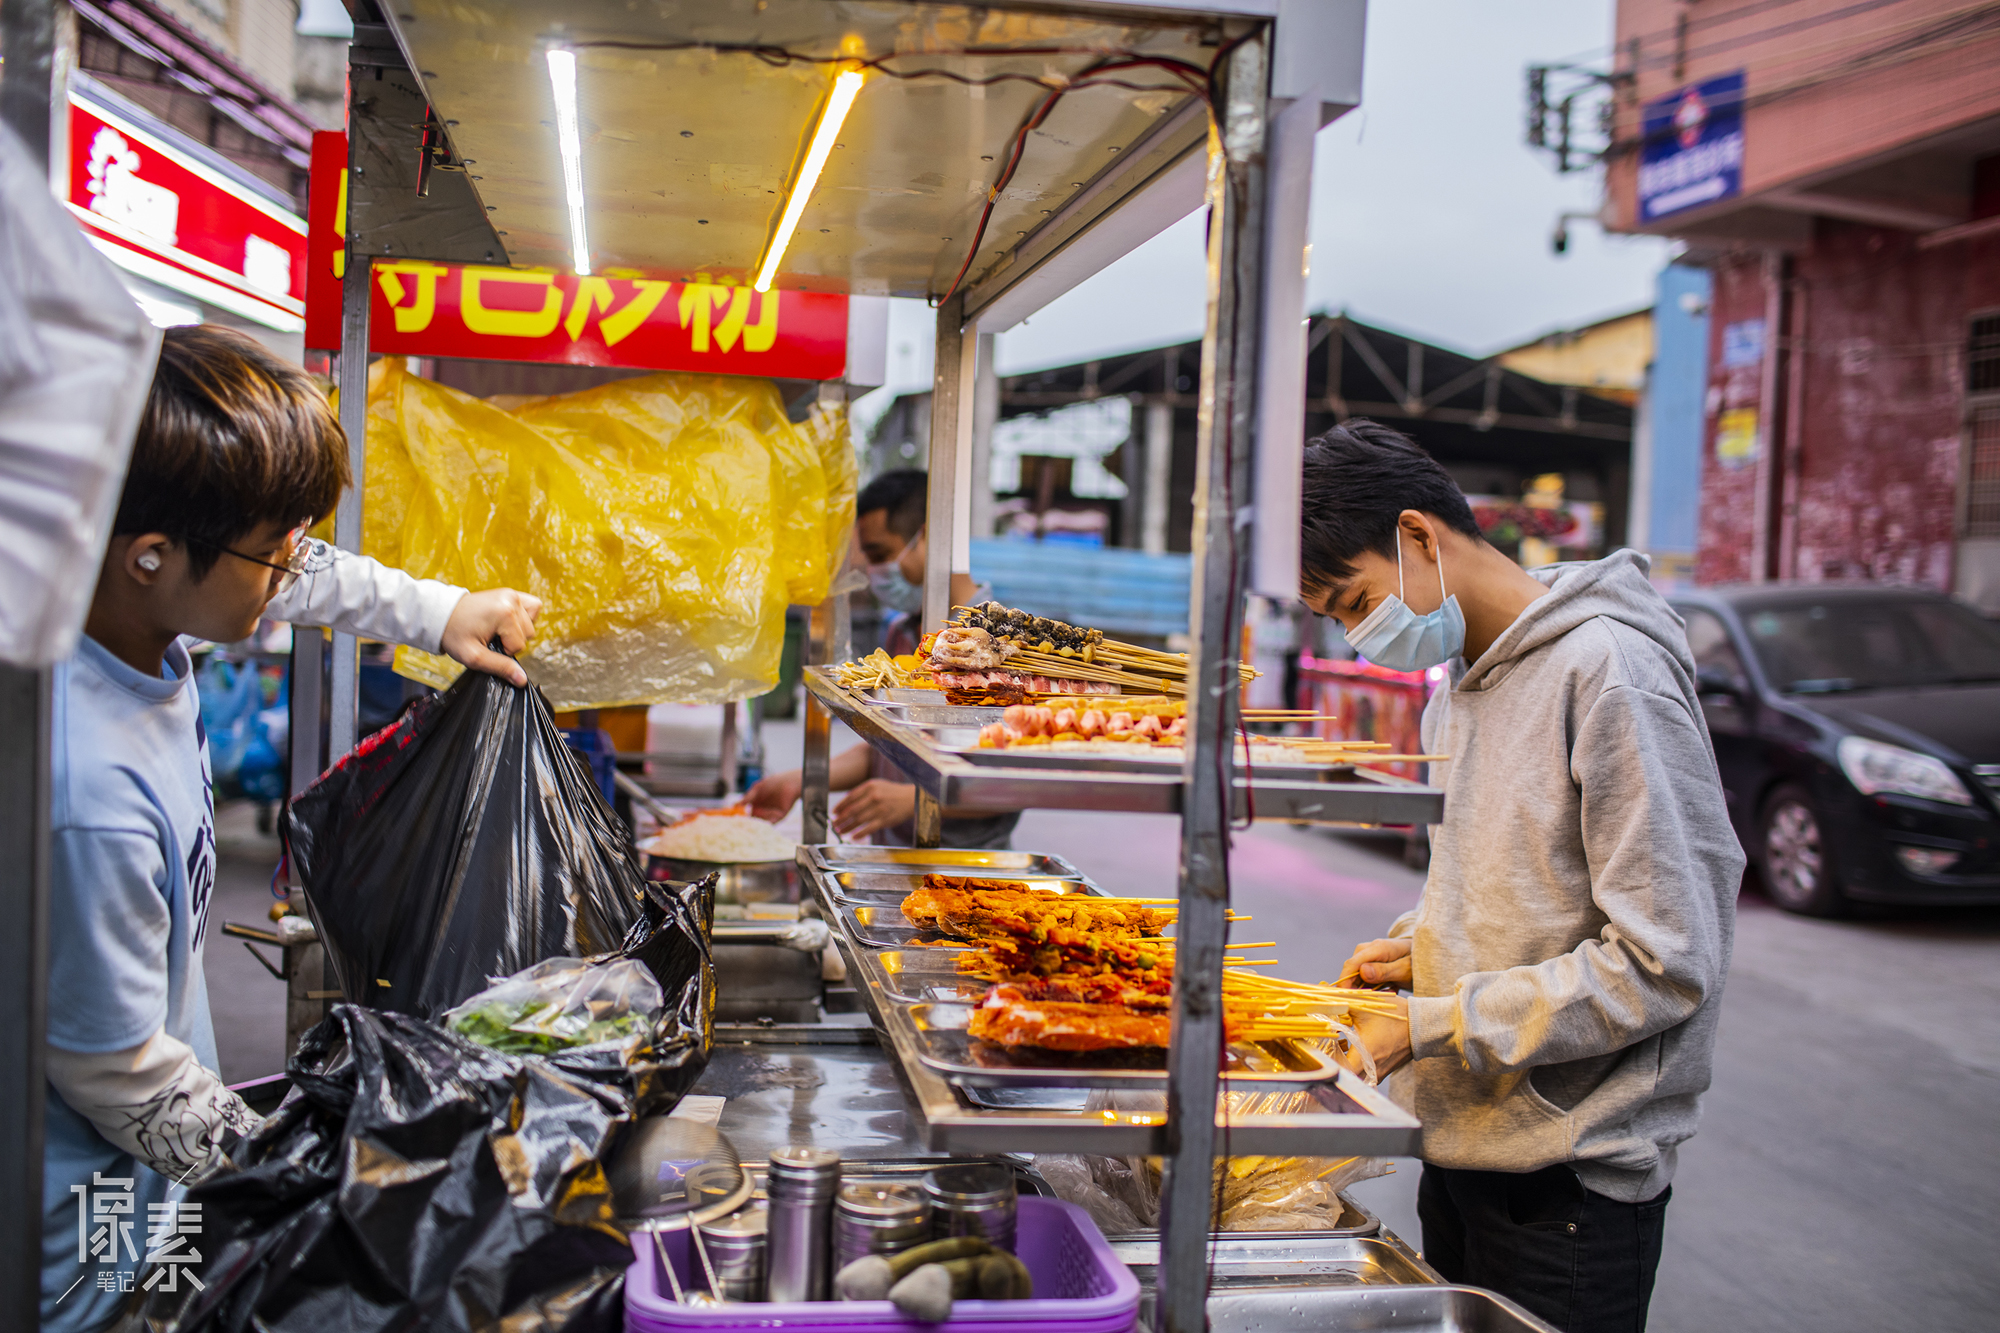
x,y
168,216
326,242
512,314
419,308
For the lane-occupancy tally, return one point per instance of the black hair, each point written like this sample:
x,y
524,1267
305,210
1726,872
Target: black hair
x,y
1358,478
231,438
901,496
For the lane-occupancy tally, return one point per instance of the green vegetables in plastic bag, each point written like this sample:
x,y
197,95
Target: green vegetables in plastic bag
x,y
562,1004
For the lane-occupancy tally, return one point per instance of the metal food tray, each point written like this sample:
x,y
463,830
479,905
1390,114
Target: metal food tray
x,y
1350,1119
876,888
1353,1309
822,858
886,694
1072,762
937,1032
953,737
961,716
884,926
1335,1258
913,976
1332,794
1142,1248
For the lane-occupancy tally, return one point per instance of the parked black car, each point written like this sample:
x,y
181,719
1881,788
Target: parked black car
x,y
1857,729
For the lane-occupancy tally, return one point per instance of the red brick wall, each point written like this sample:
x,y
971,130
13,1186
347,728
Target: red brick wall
x,y
1882,360
1884,397
1726,530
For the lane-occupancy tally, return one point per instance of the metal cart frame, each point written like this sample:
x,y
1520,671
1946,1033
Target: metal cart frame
x,y
1252,177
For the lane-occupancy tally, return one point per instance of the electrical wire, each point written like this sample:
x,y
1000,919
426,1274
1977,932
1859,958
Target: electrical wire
x,y
1194,80
1206,91
1018,148
1973,24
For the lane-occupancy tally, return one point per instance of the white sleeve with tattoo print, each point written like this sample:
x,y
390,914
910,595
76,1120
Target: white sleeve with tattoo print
x,y
154,1100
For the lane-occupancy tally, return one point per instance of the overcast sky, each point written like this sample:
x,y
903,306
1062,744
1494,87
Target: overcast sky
x,y
1430,216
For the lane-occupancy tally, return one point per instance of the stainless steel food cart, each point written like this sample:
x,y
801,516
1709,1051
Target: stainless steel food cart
x,y
1001,154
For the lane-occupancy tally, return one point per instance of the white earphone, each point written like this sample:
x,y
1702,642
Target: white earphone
x,y
149,562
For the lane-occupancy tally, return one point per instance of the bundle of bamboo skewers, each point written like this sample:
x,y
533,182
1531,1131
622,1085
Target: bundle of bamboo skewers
x,y
1070,653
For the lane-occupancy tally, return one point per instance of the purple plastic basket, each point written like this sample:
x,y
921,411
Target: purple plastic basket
x,y
1081,1286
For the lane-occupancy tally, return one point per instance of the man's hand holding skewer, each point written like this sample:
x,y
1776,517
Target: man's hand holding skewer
x,y
1377,963
1385,964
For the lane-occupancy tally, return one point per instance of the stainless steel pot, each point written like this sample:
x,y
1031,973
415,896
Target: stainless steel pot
x,y
736,881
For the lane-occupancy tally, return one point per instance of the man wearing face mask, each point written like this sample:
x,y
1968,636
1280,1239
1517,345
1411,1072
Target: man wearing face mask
x,y
889,524
1565,963
881,801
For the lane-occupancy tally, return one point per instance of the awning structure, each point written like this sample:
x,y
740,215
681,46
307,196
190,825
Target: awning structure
x,y
690,143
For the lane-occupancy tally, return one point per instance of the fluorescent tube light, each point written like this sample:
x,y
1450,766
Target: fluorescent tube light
x,y
562,79
845,89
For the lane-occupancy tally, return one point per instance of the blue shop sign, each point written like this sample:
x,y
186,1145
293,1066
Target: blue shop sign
x,y
1692,150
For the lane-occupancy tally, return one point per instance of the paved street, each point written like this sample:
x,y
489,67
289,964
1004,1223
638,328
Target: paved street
x,y
247,1003
1846,1178
1847,1175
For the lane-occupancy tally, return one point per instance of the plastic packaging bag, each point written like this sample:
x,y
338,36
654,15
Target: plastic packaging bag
x,y
563,1004
1254,1193
466,841
665,521
671,941
412,1179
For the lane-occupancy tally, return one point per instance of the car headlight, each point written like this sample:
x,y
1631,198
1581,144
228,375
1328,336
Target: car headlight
x,y
1875,767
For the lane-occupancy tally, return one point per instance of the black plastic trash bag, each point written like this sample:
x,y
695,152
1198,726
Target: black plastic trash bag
x,y
412,1180
461,844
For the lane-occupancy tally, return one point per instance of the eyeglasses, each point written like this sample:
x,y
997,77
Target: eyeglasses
x,y
297,561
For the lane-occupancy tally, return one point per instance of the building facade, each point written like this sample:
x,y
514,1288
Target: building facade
x,y
182,131
1836,167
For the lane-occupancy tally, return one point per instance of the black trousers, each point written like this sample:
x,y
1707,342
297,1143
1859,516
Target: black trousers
x,y
1581,1261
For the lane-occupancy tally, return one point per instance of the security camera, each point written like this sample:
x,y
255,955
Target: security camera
x,y
1559,238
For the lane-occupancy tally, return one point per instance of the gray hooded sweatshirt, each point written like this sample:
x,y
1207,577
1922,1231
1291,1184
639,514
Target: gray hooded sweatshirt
x,y
1571,942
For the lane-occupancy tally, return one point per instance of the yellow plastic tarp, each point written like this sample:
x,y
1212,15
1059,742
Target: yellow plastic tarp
x,y
664,521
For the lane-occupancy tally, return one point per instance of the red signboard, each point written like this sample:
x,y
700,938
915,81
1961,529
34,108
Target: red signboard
x,y
167,215
504,314
326,242
535,315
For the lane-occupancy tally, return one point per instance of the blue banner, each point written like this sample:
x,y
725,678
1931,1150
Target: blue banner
x,y
1692,150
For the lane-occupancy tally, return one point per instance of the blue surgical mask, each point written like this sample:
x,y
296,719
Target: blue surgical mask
x,y
1396,637
894,591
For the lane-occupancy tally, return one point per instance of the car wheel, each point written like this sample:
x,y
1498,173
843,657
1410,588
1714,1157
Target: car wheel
x,y
1793,857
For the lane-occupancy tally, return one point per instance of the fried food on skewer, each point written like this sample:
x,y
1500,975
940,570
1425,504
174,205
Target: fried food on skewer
x,y
1002,914
1008,1017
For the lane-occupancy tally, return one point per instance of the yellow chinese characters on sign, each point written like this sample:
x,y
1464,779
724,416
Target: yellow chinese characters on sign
x,y
481,312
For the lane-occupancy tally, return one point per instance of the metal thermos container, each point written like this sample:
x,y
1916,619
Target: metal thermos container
x,y
801,1184
972,1201
735,1247
878,1219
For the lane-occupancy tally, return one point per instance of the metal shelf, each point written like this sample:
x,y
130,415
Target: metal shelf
x,y
1355,1119
1344,795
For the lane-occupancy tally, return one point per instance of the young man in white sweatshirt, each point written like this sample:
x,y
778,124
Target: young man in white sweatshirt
x,y
1565,963
236,454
